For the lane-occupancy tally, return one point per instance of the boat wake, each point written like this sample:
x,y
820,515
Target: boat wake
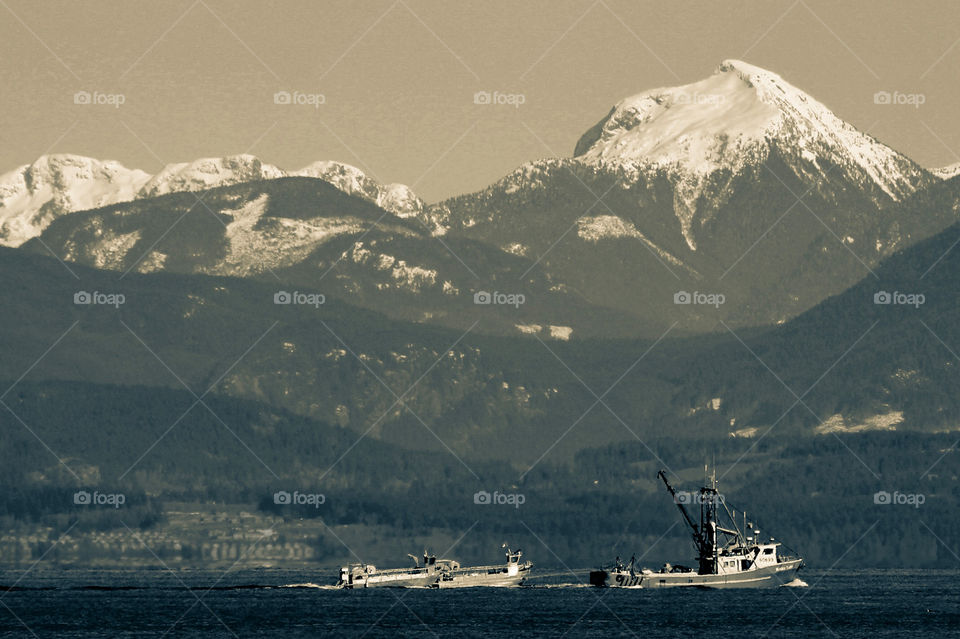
x,y
797,583
311,585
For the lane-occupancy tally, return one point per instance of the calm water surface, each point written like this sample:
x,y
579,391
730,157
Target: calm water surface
x,y
85,603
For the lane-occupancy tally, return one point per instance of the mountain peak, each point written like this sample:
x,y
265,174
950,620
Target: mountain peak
x,y
735,118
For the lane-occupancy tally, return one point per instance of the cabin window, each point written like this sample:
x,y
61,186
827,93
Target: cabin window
x,y
768,551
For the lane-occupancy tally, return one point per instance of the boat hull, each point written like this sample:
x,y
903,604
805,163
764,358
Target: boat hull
x,y
771,576
477,579
394,581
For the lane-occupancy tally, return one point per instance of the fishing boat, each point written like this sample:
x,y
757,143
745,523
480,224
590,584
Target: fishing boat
x,y
727,557
437,573
512,574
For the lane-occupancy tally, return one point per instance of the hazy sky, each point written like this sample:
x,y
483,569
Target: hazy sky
x,y
198,77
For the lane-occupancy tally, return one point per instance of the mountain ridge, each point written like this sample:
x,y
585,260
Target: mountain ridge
x,y
33,195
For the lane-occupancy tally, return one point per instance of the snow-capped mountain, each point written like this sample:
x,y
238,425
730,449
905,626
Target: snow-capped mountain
x,y
740,184
947,172
33,195
701,134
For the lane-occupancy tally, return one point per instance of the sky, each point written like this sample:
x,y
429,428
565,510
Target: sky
x,y
390,85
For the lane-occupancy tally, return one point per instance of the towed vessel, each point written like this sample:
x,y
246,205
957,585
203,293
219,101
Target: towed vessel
x,y
727,557
438,573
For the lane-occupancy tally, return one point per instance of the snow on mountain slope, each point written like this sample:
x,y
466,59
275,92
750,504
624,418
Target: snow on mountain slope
x,y
207,173
399,199
699,133
33,195
947,172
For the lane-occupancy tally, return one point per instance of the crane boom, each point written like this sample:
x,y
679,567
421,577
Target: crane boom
x,y
683,511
